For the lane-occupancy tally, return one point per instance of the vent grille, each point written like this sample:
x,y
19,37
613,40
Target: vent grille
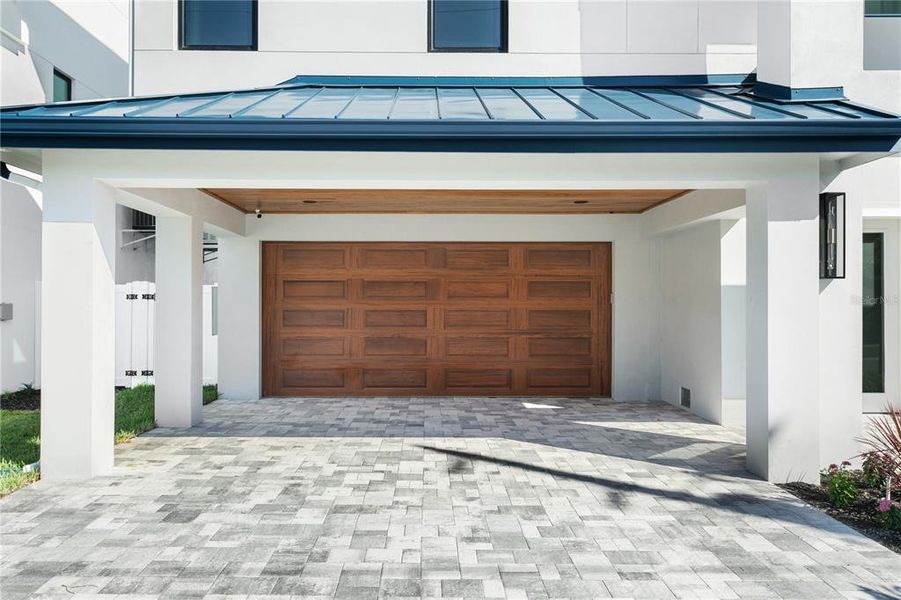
x,y
685,397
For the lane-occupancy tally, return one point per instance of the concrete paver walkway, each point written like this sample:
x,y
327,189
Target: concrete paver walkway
x,y
433,498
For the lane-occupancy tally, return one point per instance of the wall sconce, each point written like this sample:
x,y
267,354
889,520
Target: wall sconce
x,y
832,235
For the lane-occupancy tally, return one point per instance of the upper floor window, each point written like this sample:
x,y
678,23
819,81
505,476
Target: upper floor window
x,y
468,25
218,24
62,86
882,8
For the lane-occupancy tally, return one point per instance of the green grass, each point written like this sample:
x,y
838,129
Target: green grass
x,y
20,431
20,444
134,410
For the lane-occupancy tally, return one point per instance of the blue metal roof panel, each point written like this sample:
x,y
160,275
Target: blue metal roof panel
x,y
563,109
415,103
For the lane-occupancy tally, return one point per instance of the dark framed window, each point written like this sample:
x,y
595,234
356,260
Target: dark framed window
x,y
467,25
217,24
62,86
882,8
873,300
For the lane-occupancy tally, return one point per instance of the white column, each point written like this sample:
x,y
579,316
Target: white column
x,y
178,369
78,327
239,318
841,348
783,326
808,43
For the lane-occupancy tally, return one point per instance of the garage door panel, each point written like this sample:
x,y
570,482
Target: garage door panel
x,y
472,289
394,258
559,289
401,347
314,378
465,347
556,319
559,378
399,289
293,289
456,319
330,346
314,318
562,347
478,259
461,379
385,378
300,258
559,258
403,319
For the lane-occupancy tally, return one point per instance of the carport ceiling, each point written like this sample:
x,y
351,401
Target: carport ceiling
x,y
301,201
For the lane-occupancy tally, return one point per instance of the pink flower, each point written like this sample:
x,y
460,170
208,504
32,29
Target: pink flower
x,y
884,505
846,463
833,467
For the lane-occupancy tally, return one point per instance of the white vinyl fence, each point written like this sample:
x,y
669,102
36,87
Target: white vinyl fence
x,y
135,308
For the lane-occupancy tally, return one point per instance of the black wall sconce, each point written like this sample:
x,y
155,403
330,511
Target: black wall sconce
x,y
832,235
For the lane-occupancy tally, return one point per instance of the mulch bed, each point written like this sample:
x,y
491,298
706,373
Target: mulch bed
x,y
859,515
21,400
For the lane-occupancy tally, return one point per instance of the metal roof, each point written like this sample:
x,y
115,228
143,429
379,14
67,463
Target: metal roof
x,y
435,113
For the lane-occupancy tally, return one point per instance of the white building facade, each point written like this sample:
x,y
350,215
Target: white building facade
x,y
51,51
435,132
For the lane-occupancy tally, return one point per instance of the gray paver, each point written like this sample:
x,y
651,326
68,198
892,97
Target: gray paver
x,y
433,498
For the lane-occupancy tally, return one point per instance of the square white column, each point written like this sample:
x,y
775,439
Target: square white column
x,y
783,326
77,327
841,348
239,349
178,369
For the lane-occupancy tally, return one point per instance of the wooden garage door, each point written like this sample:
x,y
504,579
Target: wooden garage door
x,y
436,319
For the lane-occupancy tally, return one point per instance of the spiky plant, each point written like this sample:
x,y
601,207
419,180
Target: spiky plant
x,y
883,438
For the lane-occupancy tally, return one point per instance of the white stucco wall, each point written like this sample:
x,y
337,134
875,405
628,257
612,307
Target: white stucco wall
x,y
733,309
690,327
368,37
20,278
88,41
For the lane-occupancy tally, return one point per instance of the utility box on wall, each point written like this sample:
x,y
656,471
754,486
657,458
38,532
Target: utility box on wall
x,y
6,311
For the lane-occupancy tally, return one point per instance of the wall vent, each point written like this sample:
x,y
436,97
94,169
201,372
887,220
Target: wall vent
x,y
685,397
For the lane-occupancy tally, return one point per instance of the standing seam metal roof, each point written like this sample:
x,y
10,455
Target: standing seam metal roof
x,y
448,107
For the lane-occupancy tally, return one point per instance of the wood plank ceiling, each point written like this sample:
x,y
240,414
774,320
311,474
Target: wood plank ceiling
x,y
302,201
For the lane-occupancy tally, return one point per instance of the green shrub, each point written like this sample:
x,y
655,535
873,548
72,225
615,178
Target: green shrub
x,y
877,468
840,484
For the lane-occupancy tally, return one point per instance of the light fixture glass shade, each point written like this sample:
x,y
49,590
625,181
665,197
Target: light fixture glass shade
x,y
832,235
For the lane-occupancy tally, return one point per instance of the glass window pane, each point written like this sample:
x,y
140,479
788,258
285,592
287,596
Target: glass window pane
x,y
62,87
227,23
882,8
873,314
467,24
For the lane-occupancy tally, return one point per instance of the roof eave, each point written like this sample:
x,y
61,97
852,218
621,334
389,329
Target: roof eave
x,y
520,136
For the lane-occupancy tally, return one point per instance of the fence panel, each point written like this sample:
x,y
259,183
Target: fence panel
x,y
135,313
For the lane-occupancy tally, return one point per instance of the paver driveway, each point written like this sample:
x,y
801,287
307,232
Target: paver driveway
x,y
450,498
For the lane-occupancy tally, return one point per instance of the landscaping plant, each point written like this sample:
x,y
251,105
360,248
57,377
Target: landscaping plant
x,y
889,514
883,461
840,484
